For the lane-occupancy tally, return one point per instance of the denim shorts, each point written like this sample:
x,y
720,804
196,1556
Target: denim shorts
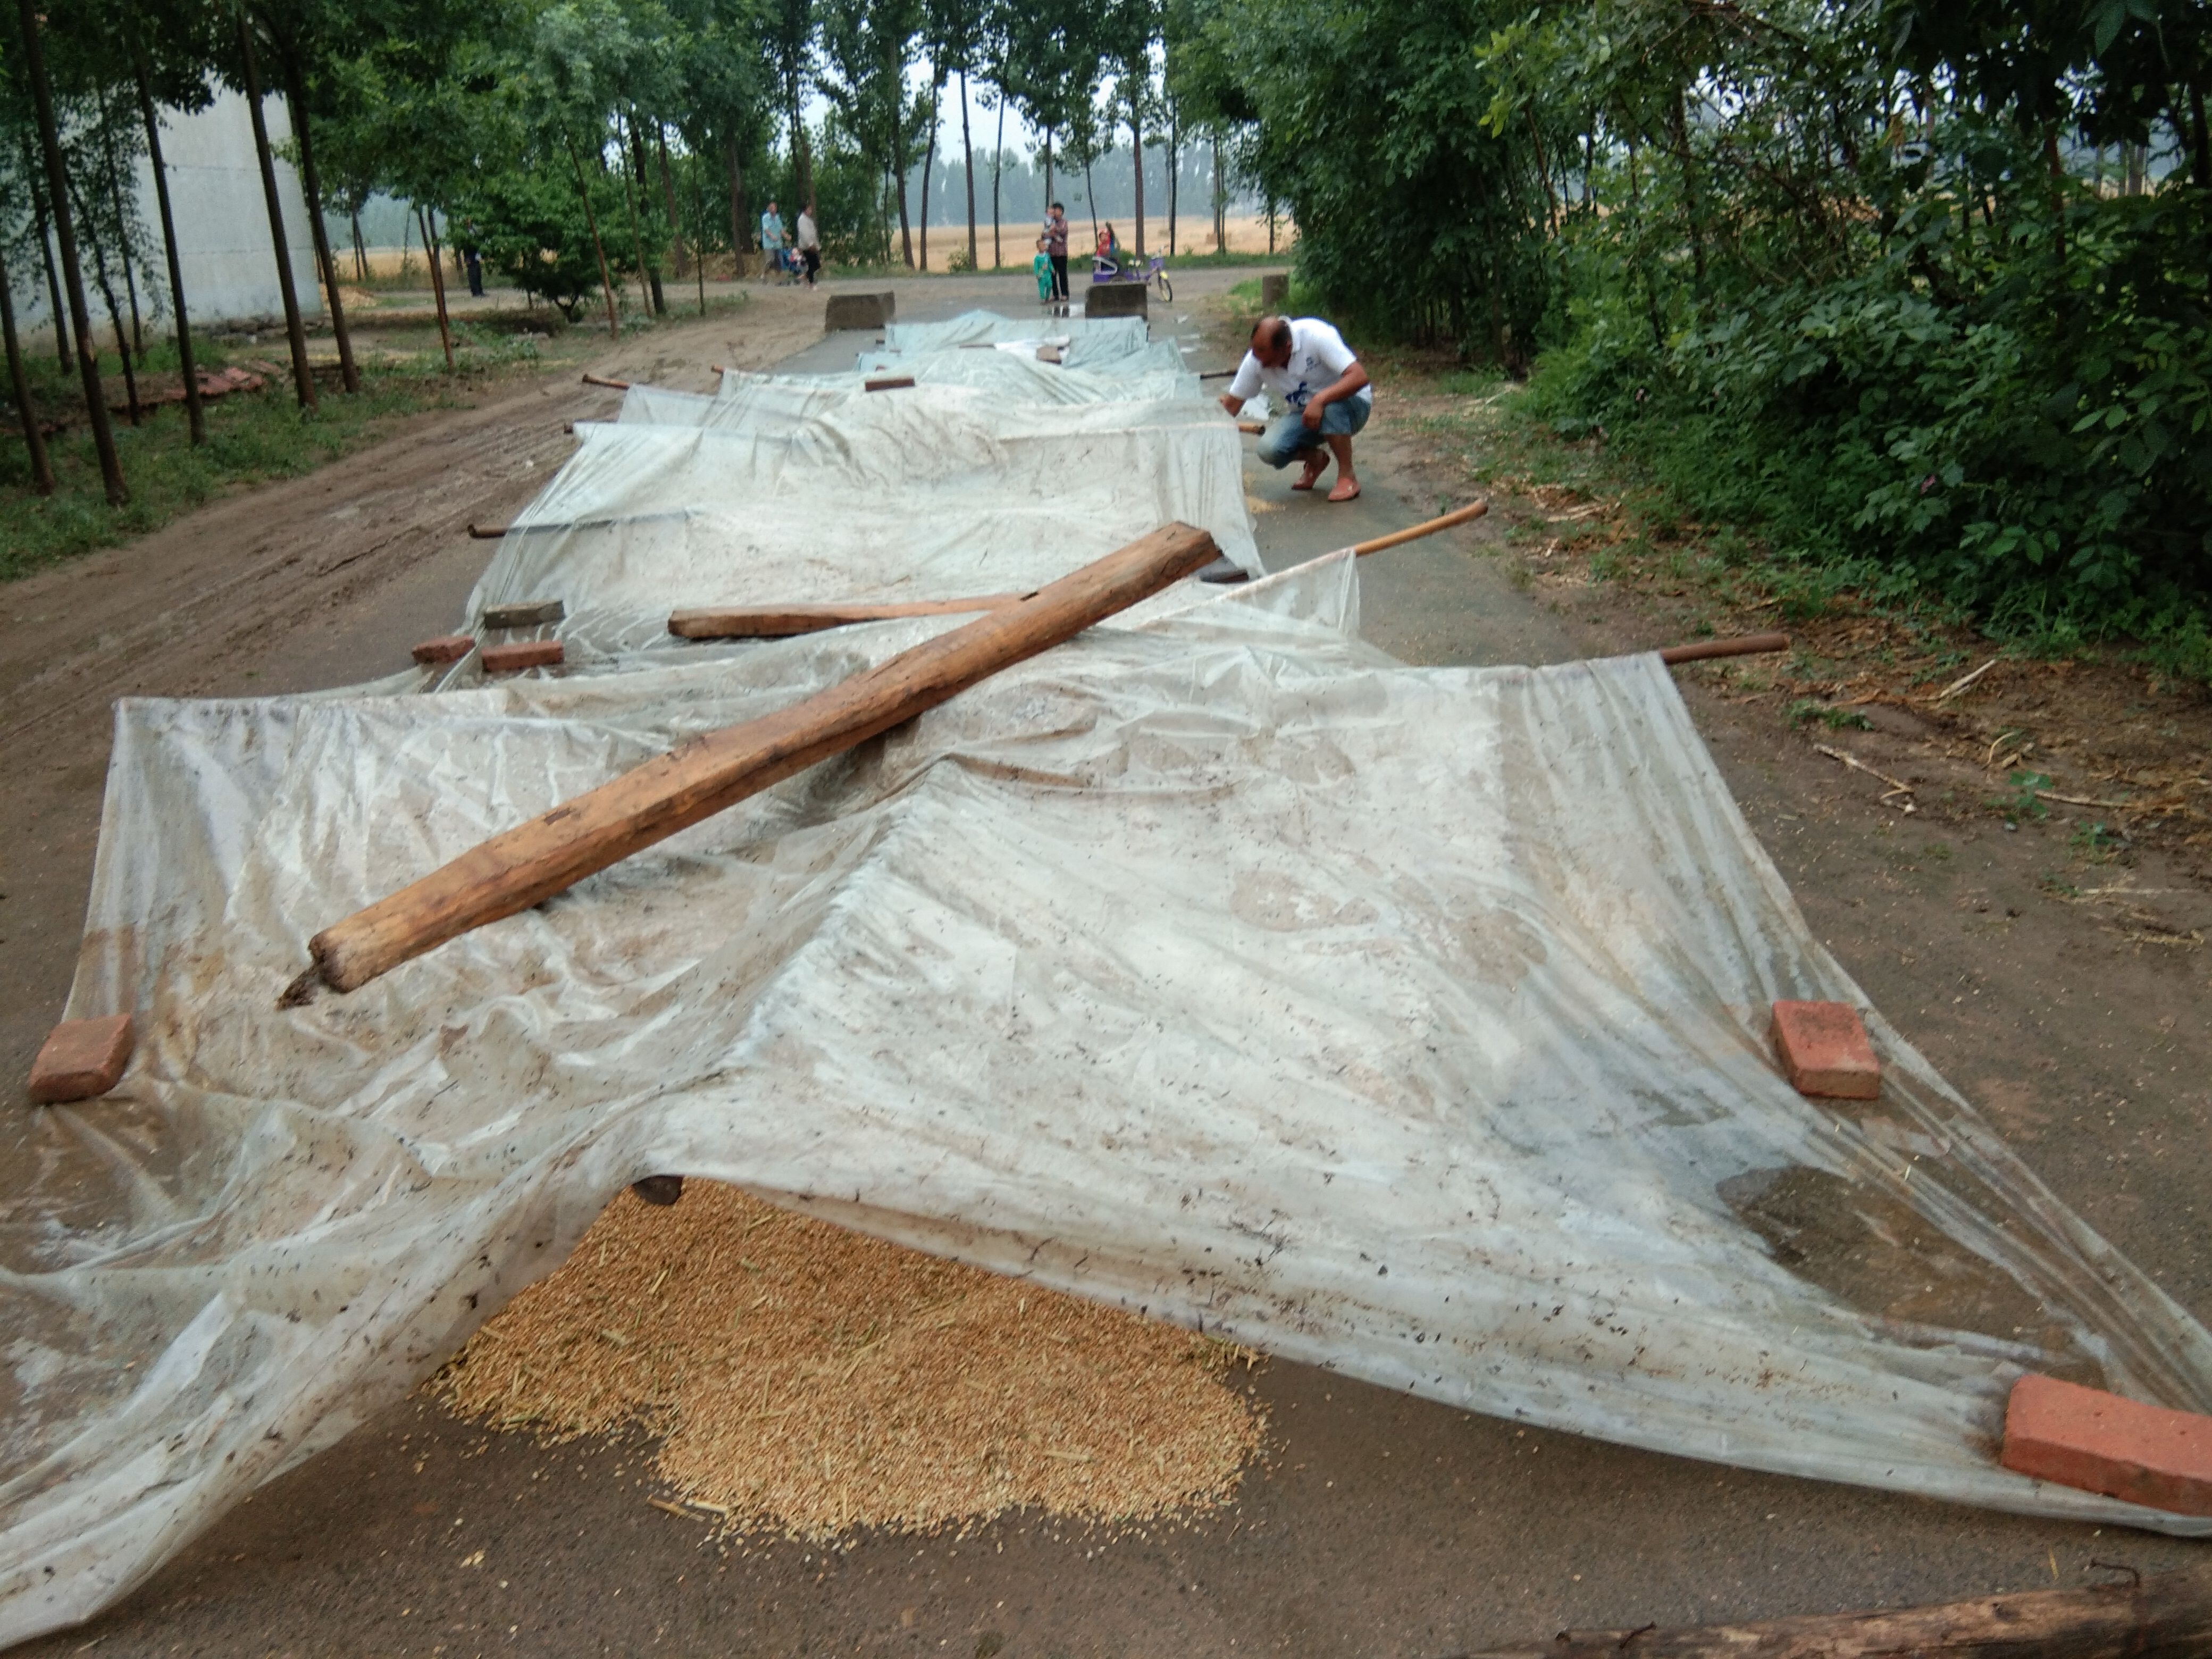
x,y
1288,435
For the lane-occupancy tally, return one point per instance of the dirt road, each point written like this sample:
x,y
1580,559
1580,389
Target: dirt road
x,y
1380,1525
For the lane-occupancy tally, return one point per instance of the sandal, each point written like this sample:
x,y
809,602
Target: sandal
x,y
1347,490
1311,476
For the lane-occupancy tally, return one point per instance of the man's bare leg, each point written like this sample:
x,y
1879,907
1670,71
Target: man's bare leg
x,y
1340,446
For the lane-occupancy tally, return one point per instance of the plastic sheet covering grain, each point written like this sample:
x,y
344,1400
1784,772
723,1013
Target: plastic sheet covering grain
x,y
937,493
1089,341
1410,1022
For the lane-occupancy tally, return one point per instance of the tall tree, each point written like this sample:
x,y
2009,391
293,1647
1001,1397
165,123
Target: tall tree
x,y
249,69
57,194
191,94
290,28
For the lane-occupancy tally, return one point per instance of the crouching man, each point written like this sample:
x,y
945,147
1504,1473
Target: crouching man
x,y
1321,392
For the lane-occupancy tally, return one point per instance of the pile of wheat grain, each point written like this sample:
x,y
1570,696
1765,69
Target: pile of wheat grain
x,y
807,1380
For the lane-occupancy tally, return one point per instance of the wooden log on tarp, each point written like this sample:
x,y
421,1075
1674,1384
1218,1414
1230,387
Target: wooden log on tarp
x,y
532,862
761,621
2170,1614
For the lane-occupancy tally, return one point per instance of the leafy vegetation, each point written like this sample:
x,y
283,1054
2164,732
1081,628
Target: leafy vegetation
x,y
1918,293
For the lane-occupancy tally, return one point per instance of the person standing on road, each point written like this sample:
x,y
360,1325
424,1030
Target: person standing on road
x,y
1322,391
772,238
810,243
1055,249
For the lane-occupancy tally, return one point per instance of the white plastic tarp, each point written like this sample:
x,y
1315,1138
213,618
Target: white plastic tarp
x,y
925,494
1409,1022
1088,340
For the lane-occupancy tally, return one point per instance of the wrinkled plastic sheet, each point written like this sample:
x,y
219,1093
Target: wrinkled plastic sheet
x,y
878,498
1409,1022
1087,341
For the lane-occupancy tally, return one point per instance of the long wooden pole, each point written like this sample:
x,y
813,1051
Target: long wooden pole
x,y
2168,1614
1427,527
551,853
758,621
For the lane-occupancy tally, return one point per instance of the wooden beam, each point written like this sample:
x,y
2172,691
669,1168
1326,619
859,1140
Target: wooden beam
x,y
1750,644
1427,527
551,853
611,385
888,383
760,621
485,532
2168,1614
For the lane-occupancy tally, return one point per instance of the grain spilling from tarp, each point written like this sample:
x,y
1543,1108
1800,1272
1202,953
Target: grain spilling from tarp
x,y
809,1381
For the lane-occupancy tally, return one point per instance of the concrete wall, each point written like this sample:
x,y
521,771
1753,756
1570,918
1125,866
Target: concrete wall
x,y
222,227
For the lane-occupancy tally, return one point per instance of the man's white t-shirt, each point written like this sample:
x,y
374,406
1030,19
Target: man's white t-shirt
x,y
1319,357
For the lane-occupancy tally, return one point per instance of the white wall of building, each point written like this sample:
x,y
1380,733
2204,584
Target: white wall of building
x,y
222,225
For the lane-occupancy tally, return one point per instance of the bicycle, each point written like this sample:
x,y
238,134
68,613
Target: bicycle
x,y
1155,274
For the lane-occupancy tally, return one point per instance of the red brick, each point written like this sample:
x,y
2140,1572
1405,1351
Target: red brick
x,y
2099,1442
446,647
82,1058
523,653
1825,1050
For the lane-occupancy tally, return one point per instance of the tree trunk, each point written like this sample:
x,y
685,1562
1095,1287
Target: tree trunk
x,y
295,86
928,168
303,378
998,168
1220,201
625,131
195,413
590,220
668,193
55,307
1137,155
968,167
1047,169
42,467
740,208
123,235
1175,172
1090,200
802,163
437,281
898,181
88,355
114,312
360,249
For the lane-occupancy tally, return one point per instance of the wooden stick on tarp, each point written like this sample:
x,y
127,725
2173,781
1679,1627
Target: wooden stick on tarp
x,y
611,385
762,622
2168,1614
552,852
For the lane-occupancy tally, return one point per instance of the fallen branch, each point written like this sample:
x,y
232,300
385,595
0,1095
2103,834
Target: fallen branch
x,y
1750,644
758,621
551,853
1964,680
1427,527
1897,787
2168,1614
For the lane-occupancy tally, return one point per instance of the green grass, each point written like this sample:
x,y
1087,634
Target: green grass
x,y
252,438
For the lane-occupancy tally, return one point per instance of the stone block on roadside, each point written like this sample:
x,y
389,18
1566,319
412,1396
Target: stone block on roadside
x,y
2101,1443
1825,1050
849,310
82,1058
1118,299
446,647
522,654
1274,290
